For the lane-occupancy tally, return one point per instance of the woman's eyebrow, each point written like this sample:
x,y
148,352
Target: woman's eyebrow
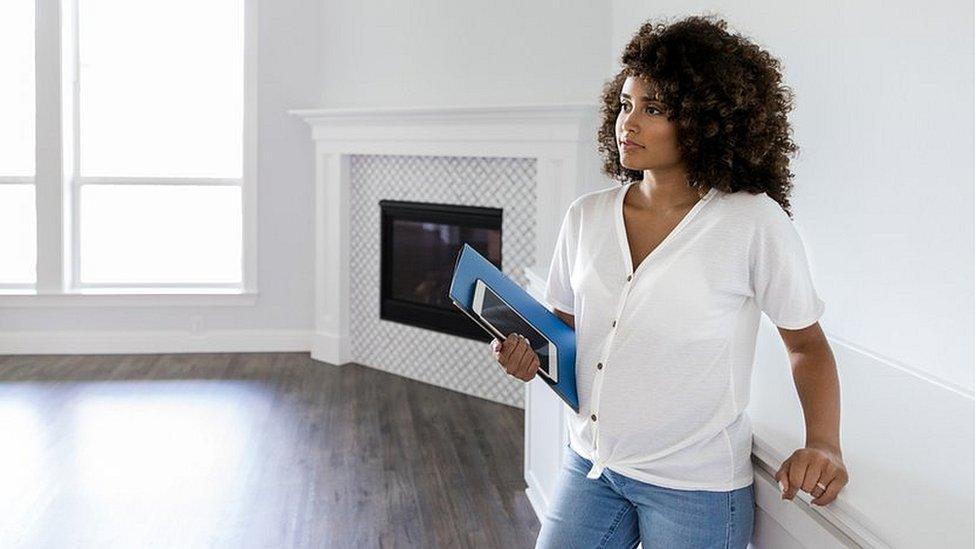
x,y
646,97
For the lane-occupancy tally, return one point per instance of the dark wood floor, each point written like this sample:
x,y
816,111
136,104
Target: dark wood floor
x,y
251,450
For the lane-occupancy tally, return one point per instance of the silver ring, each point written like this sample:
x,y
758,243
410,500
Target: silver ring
x,y
821,485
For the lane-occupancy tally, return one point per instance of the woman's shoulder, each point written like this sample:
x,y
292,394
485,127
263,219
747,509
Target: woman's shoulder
x,y
598,199
758,208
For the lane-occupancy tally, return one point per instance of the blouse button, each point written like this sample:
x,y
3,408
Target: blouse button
x,y
593,417
614,325
599,366
629,277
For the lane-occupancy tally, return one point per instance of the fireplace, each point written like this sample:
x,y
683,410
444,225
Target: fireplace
x,y
419,245
551,159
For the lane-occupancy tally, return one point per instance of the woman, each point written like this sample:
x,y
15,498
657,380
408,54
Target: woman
x,y
668,274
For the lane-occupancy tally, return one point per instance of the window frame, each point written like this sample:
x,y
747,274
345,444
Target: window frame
x,y
57,182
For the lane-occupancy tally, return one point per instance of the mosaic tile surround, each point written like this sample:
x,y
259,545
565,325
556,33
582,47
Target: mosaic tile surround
x,y
440,359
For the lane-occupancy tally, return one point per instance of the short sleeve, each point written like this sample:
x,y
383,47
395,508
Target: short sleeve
x,y
780,273
559,291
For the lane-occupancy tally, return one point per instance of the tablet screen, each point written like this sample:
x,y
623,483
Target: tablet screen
x,y
506,321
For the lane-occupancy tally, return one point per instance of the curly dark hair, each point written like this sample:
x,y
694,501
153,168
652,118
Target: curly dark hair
x,y
724,94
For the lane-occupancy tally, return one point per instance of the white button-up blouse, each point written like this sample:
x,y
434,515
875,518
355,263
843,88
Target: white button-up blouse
x,y
665,351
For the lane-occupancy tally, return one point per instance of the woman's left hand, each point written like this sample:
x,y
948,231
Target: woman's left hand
x,y
809,466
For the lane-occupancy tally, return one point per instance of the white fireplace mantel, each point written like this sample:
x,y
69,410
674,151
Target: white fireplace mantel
x,y
560,137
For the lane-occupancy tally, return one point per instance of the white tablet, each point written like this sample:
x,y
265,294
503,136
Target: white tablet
x,y
491,308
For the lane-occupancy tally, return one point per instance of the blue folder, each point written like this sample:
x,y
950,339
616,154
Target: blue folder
x,y
471,266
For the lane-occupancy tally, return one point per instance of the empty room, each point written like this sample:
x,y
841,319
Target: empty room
x,y
517,274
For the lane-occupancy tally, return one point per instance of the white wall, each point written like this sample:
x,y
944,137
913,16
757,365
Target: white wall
x,y
884,201
442,53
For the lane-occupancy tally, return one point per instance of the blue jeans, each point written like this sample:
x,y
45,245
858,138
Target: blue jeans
x,y
617,511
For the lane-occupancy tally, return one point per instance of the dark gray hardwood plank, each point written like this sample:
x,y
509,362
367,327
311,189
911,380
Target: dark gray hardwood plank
x,y
251,450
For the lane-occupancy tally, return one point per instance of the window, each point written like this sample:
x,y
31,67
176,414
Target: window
x,y
18,250
154,187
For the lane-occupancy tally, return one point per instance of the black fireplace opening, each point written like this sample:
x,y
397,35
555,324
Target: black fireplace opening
x,y
420,242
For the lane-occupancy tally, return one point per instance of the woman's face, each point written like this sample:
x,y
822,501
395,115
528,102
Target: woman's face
x,y
643,121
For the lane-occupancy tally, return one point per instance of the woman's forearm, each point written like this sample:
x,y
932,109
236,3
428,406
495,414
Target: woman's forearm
x,y
815,378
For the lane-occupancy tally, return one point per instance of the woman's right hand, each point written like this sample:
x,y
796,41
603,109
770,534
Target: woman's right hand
x,y
516,356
